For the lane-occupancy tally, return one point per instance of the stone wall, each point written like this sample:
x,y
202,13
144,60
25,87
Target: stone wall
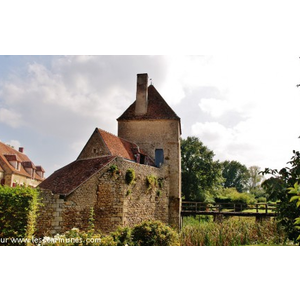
x,y
49,219
143,201
159,134
94,147
115,202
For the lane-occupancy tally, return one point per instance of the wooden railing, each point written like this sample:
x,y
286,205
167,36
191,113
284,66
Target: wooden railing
x,y
191,207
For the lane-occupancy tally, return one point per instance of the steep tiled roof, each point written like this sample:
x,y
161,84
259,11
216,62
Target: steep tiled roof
x,y
67,179
158,109
8,154
118,146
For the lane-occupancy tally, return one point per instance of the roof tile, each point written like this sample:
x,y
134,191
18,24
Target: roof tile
x,y
158,109
118,146
67,179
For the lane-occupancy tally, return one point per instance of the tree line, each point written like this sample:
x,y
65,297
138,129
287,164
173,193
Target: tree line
x,y
207,180
204,179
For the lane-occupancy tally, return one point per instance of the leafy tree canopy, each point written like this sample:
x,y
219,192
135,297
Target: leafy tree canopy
x,y
236,175
201,175
277,188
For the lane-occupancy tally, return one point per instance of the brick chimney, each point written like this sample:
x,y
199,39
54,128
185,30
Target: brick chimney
x,y
21,149
141,94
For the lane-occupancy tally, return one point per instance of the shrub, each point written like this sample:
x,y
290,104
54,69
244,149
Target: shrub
x,y
75,237
122,236
231,195
18,212
154,233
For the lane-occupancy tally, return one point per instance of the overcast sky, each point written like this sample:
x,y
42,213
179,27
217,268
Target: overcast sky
x,y
244,108
236,91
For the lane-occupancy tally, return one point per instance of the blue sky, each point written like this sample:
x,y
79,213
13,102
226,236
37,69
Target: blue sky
x,y
229,70
244,109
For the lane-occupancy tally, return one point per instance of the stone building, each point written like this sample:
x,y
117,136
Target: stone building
x,y
123,179
17,169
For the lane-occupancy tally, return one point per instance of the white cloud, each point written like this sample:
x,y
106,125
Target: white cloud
x,y
10,117
243,107
63,101
216,107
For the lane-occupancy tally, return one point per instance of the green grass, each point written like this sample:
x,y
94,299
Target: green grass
x,y
234,231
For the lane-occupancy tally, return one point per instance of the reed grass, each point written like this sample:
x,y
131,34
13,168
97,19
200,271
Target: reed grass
x,y
233,231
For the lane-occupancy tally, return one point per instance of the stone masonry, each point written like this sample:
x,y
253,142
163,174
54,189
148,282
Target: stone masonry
x,y
148,143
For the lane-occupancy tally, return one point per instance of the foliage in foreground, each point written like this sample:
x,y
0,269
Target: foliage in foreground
x,y
296,191
232,232
154,233
148,233
277,188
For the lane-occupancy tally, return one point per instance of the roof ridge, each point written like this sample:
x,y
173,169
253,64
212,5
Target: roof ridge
x,y
95,157
118,137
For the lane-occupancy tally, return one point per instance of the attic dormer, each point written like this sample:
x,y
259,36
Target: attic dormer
x,y
29,167
13,160
40,171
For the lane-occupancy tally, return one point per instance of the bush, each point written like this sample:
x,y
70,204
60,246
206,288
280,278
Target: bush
x,y
148,233
154,233
18,212
75,237
231,195
122,236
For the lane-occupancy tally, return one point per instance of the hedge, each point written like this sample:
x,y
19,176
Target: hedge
x,y
18,211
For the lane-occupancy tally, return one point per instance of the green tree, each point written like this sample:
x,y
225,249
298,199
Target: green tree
x,y
235,174
201,175
277,188
296,191
255,178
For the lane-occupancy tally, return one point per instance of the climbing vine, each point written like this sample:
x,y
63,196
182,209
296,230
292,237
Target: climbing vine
x,y
154,183
114,170
130,176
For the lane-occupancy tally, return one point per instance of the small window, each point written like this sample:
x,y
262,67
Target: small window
x,y
159,157
142,159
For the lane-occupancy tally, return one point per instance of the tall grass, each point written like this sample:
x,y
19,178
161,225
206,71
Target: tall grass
x,y
231,232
